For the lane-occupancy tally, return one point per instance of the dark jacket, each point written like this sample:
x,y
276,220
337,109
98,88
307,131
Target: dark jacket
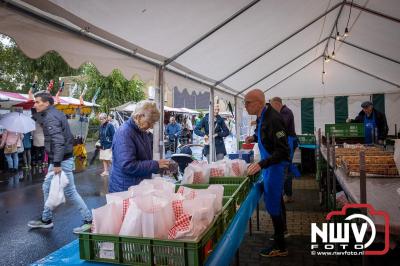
x,y
132,153
380,120
288,120
273,138
58,139
220,128
106,135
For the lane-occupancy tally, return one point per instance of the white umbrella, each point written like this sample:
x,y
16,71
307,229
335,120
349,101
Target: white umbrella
x,y
17,122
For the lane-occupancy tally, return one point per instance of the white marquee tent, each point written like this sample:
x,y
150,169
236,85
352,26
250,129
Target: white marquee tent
x,y
228,46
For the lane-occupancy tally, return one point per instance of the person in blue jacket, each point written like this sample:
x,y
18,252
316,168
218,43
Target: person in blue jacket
x,y
132,150
220,132
106,135
173,131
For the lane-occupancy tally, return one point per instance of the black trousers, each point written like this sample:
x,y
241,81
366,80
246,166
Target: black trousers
x,y
37,155
280,226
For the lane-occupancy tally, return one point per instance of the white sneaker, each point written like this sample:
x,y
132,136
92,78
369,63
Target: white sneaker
x,y
83,228
40,224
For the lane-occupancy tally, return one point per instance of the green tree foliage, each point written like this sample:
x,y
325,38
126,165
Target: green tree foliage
x,y
114,89
18,71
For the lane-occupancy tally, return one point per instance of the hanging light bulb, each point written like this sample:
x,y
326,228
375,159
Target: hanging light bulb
x,y
333,54
338,35
346,32
327,59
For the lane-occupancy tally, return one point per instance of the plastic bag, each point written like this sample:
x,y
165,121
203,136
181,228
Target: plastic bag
x,y
192,217
132,224
217,190
107,219
196,173
121,200
56,193
237,167
157,215
159,184
218,169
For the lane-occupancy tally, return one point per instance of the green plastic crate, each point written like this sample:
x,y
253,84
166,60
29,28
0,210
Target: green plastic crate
x,y
227,180
147,251
229,189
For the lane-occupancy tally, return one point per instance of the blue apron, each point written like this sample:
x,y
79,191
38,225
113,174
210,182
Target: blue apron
x,y
273,177
369,128
292,168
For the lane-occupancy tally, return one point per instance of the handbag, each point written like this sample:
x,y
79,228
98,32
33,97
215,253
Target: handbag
x,y
8,149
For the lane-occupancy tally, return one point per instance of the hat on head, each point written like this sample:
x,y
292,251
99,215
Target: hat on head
x,y
366,104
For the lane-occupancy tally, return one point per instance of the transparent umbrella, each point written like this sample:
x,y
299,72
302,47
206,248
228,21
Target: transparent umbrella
x,y
17,122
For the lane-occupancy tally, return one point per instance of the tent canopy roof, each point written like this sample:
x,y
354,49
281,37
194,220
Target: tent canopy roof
x,y
233,45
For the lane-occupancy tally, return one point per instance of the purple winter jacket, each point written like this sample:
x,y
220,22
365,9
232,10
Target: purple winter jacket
x,y
132,157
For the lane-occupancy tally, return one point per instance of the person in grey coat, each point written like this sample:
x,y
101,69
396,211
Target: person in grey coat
x,y
59,147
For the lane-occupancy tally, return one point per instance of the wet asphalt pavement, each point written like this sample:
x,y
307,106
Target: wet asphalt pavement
x,y
21,200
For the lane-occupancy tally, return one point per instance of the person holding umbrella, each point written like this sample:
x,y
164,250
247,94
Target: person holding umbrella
x,y
11,141
15,124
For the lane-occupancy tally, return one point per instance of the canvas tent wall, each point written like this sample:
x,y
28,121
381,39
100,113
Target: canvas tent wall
x,y
228,46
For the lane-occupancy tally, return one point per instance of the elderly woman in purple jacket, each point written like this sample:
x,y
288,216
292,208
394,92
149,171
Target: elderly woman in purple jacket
x,y
132,151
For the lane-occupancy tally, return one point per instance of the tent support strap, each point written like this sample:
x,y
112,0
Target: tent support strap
x,y
369,51
282,66
303,67
366,73
279,43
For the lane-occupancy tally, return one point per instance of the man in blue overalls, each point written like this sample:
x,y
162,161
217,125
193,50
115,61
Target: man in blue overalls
x,y
375,124
275,156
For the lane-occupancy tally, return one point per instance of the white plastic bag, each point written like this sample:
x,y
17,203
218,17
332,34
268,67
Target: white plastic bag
x,y
218,169
132,224
56,192
157,215
237,167
107,219
217,190
196,173
159,184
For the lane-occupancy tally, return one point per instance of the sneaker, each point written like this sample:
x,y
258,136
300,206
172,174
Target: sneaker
x,y
105,173
272,252
40,224
285,235
83,228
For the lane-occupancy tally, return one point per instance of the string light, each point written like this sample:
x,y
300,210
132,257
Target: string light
x,y
346,32
327,59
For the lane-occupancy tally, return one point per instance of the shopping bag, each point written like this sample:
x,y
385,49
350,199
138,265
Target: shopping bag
x,y
107,219
157,215
121,200
132,223
56,192
237,167
159,184
196,173
218,169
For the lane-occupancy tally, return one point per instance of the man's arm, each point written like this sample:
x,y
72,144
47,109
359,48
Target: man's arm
x,y
281,147
55,130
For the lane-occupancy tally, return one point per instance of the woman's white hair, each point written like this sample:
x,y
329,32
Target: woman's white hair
x,y
102,116
148,109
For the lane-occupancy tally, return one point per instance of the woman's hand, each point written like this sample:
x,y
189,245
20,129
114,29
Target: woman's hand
x,y
249,139
163,164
